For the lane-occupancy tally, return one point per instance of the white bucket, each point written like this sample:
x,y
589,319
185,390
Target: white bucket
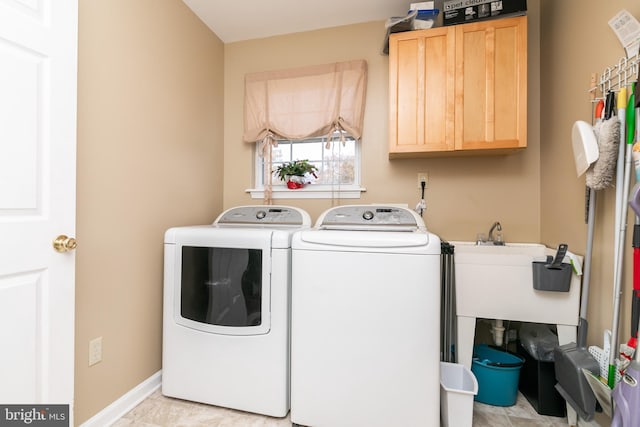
x,y
458,386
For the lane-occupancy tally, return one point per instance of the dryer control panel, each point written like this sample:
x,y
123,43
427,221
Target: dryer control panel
x,y
264,215
370,217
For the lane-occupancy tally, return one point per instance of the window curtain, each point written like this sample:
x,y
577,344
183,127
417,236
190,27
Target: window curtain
x,y
302,103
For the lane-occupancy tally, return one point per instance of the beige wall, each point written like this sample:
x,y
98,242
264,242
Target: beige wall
x,y
150,130
465,195
577,41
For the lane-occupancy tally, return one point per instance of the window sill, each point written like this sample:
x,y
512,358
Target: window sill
x,y
311,191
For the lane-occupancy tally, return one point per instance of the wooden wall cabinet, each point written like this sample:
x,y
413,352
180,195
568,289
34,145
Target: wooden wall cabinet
x,y
459,89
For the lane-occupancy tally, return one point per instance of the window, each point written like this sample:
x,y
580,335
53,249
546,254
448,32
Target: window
x,y
296,106
338,167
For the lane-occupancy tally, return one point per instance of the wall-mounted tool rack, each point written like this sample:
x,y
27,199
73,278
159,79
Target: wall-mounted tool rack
x,y
615,77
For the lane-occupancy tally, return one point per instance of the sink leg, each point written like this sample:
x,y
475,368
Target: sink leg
x,y
572,416
567,334
464,344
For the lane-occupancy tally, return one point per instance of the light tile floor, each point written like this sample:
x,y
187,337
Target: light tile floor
x,y
160,411
521,414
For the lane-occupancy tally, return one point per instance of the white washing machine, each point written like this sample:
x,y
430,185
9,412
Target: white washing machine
x,y
365,320
227,309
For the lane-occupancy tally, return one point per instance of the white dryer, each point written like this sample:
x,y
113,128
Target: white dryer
x,y
226,309
366,320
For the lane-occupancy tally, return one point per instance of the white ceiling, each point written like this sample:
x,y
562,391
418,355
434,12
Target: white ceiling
x,y
237,20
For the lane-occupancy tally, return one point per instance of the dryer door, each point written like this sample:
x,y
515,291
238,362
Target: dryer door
x,y
224,282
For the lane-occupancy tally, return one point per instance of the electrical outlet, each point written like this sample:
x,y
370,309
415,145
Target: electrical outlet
x,y
423,177
95,351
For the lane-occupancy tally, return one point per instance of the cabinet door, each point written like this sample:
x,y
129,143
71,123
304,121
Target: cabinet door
x,y
421,90
491,85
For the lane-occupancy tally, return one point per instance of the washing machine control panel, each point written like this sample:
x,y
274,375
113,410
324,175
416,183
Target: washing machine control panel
x,y
261,215
371,218
368,215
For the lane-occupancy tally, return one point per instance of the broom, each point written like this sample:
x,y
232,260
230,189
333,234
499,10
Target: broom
x,y
611,378
570,359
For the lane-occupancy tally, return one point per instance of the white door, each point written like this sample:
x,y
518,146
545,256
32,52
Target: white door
x,y
38,57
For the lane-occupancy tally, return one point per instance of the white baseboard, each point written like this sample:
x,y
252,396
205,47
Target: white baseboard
x,y
125,403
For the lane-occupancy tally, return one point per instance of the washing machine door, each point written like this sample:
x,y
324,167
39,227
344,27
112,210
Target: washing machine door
x,y
224,281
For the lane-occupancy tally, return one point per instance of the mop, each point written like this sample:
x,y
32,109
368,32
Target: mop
x,y
602,354
622,98
600,174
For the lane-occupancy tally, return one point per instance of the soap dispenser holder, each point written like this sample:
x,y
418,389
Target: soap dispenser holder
x,y
548,276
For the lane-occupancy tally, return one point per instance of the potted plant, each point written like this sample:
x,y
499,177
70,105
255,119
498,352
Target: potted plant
x,y
296,173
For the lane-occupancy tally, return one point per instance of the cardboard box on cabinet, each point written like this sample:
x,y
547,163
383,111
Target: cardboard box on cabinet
x,y
464,11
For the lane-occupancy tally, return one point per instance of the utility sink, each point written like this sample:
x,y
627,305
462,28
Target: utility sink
x,y
497,254
496,282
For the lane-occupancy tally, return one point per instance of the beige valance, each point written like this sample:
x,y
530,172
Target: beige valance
x,y
305,102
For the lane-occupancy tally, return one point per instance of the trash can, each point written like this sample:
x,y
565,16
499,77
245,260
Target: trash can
x,y
458,386
497,373
538,376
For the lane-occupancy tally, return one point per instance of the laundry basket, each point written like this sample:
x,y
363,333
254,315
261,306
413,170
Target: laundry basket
x,y
497,373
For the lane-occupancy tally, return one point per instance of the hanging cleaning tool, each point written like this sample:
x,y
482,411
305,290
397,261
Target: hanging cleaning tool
x,y
618,268
634,203
631,127
626,396
600,174
585,145
570,359
637,90
632,343
627,350
599,111
622,103
636,123
631,115
630,136
598,382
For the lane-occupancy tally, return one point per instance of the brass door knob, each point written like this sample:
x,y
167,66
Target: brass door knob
x,y
64,243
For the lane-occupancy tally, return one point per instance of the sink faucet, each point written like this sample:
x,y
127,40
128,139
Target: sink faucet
x,y
498,240
490,240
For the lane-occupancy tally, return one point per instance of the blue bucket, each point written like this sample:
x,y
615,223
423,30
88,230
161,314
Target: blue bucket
x,y
497,373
